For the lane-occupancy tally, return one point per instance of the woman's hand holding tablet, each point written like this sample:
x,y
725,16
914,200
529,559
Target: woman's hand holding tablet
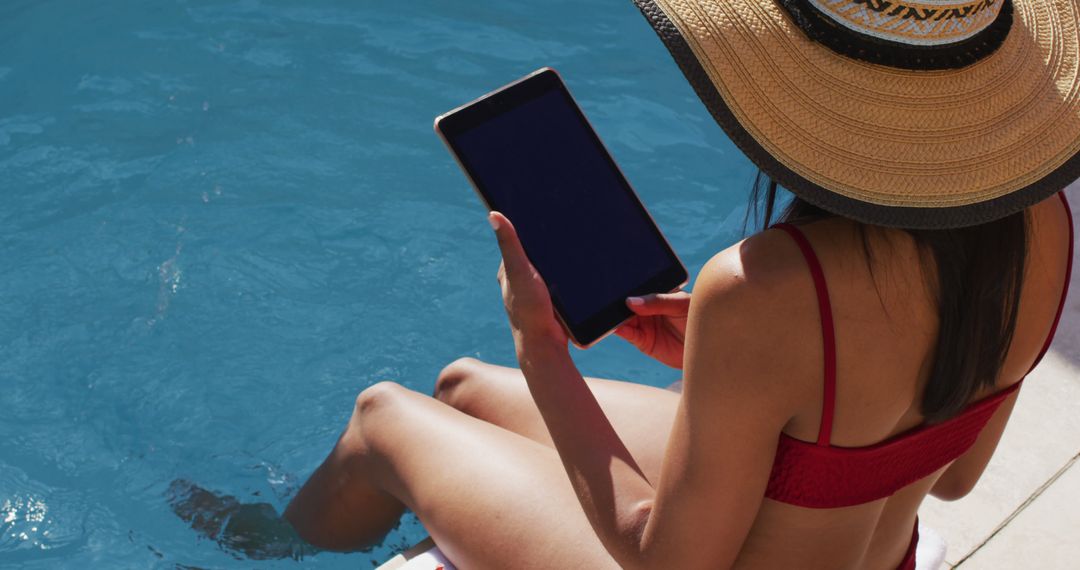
x,y
658,327
532,156
525,295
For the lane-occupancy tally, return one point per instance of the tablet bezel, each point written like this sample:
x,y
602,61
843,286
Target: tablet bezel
x,y
542,81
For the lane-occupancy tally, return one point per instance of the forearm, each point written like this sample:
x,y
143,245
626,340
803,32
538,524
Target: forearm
x,y
613,492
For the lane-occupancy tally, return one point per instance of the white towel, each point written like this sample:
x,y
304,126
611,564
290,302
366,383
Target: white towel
x,y
429,560
930,552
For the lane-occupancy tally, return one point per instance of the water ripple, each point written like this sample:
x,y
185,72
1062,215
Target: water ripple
x,y
222,219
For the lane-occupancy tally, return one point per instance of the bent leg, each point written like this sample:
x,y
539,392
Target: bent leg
x,y
340,507
641,415
490,498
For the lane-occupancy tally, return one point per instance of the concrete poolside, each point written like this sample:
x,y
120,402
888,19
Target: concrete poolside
x,y
1025,512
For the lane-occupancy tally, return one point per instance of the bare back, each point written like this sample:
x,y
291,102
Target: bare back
x,y
885,334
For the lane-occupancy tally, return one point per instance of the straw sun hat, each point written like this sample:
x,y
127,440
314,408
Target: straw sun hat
x,y
910,113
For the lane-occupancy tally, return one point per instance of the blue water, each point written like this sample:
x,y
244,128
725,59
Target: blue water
x,y
222,220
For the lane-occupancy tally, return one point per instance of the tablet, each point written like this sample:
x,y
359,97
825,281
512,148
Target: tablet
x,y
531,154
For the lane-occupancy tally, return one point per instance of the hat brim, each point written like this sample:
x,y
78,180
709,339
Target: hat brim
x,y
888,146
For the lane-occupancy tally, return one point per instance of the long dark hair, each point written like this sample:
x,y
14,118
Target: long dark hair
x,y
976,274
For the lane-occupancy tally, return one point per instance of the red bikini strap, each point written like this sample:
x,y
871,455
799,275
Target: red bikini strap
x,y
828,401
1065,291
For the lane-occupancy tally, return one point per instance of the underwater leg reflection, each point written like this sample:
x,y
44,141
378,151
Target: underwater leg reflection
x,y
252,530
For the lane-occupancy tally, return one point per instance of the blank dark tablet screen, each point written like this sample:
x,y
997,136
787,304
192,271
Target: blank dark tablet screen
x,y
541,165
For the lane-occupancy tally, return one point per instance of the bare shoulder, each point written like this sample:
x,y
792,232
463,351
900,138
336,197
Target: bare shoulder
x,y
767,267
1050,233
1047,266
754,304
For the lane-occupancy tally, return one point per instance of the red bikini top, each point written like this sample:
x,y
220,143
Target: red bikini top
x,y
821,475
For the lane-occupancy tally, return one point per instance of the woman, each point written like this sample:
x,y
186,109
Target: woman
x,y
837,368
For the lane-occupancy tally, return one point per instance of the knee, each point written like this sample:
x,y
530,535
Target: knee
x,y
455,380
377,407
379,396
375,416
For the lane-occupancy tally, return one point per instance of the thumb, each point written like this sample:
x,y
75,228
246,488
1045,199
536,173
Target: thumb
x,y
514,258
675,304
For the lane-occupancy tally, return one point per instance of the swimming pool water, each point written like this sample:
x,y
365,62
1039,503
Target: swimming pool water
x,y
221,220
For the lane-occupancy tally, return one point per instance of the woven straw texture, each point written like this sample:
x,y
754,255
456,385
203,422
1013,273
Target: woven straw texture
x,y
1005,130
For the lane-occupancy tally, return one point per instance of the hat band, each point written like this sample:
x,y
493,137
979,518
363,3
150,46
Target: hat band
x,y
926,34
927,23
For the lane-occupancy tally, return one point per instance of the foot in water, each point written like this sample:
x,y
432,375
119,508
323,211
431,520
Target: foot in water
x,y
254,530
